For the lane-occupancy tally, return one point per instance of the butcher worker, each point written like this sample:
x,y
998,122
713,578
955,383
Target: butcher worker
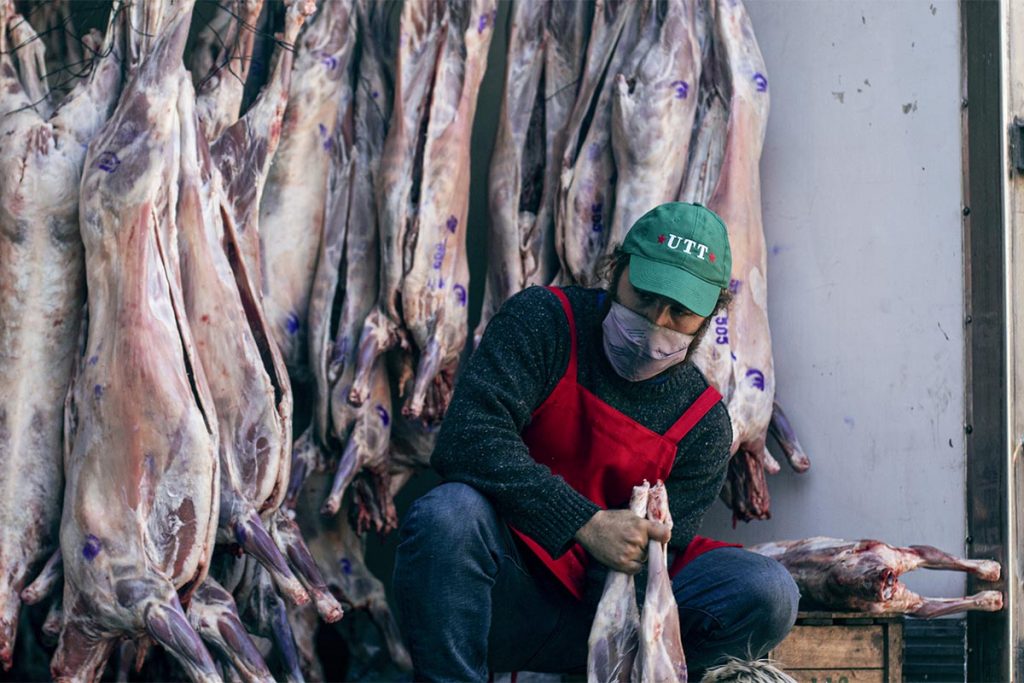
x,y
573,397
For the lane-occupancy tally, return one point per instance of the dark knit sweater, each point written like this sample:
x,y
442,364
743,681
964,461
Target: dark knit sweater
x,y
523,354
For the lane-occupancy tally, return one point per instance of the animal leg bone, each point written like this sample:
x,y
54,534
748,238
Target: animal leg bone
x,y
933,558
167,624
52,572
905,601
289,539
782,430
214,616
254,539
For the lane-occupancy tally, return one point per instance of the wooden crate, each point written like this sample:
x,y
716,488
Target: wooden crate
x,y
843,647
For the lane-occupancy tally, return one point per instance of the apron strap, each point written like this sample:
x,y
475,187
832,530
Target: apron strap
x,y
697,410
570,371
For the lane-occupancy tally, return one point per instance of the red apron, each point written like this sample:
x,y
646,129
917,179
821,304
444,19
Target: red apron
x,y
603,453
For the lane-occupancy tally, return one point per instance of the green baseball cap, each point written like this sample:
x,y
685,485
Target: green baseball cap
x,y
680,251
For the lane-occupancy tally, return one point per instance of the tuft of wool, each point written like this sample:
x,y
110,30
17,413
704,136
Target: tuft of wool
x,y
743,671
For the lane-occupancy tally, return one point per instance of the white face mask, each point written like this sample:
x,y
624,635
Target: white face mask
x,y
637,348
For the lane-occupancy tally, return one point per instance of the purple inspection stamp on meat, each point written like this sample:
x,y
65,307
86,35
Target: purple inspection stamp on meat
x,y
107,161
439,252
91,548
325,135
722,329
596,217
329,60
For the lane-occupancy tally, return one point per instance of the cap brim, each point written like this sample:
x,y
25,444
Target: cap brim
x,y
677,284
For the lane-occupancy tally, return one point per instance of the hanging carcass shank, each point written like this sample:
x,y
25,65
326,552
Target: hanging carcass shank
x,y
435,285
528,149
341,551
422,30
247,375
235,355
365,430
517,162
293,203
222,59
660,658
329,278
42,290
142,494
749,381
615,633
653,108
586,193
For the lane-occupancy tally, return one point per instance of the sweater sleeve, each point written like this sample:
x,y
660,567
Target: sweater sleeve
x,y
522,355
698,474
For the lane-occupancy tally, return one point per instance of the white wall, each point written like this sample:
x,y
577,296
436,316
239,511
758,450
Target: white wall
x,y
862,196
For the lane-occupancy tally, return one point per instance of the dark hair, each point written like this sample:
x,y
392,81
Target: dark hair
x,y
610,269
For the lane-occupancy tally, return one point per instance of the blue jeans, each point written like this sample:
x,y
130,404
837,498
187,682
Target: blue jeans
x,y
469,604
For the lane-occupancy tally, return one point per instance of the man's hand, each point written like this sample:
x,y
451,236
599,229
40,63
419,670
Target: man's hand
x,y
618,539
